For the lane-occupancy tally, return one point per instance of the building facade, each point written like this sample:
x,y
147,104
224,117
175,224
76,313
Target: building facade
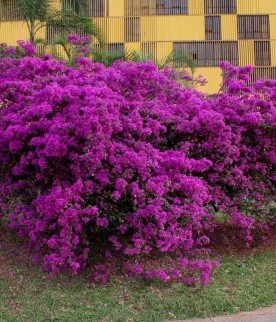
x,y
209,31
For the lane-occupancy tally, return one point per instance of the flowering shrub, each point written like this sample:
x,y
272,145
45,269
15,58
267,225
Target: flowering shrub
x,y
23,49
128,155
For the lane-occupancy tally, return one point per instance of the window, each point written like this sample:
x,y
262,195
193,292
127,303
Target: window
x,y
253,27
116,48
262,53
148,7
171,7
53,32
8,13
220,6
212,28
132,7
95,7
156,7
132,29
209,53
264,73
149,50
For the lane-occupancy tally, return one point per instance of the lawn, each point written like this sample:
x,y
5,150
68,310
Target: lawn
x,y
242,283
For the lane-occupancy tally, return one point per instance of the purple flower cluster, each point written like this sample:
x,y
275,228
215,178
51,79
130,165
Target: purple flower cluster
x,y
131,154
23,49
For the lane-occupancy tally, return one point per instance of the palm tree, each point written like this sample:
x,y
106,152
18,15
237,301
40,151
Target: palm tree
x,y
40,13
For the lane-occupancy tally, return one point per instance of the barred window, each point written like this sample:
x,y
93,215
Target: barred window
x,y
132,29
53,32
156,7
171,7
212,28
209,53
9,13
133,7
264,73
262,53
116,48
95,7
149,50
253,27
220,6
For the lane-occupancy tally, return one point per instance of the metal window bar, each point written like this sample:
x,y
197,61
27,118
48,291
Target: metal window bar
x,y
149,49
96,8
208,53
253,27
134,8
262,53
9,13
171,7
212,28
53,32
116,48
132,29
220,6
264,73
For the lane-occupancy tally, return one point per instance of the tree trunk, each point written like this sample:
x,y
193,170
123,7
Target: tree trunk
x,y
32,32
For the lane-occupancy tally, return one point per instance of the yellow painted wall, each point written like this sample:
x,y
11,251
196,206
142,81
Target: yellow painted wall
x,y
213,75
133,46
10,32
256,6
229,28
116,8
273,53
196,7
246,52
163,50
272,19
178,28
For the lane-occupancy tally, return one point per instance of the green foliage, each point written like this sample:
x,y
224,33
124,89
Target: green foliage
x,y
174,59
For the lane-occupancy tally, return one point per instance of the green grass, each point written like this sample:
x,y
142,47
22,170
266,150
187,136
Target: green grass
x,y
240,284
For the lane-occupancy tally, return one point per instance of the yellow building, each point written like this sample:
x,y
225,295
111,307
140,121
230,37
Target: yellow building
x,y
240,31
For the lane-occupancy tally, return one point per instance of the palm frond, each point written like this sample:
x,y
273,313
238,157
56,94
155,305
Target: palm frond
x,y
62,41
107,58
178,59
80,7
68,21
137,57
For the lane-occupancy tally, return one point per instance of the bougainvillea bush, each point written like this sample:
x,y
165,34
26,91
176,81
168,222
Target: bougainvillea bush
x,y
131,156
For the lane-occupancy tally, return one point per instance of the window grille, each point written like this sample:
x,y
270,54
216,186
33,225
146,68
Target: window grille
x,y
209,53
262,53
96,8
132,29
156,7
52,33
149,50
264,73
9,13
116,48
253,27
220,6
212,28
171,7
